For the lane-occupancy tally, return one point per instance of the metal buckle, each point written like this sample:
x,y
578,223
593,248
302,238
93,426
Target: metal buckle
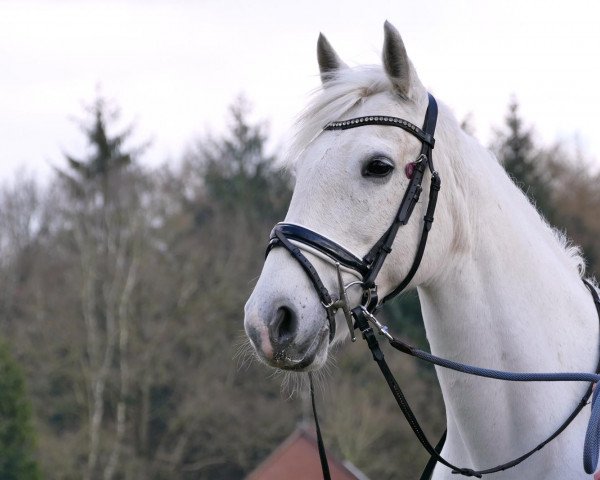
x,y
342,301
370,299
381,328
421,158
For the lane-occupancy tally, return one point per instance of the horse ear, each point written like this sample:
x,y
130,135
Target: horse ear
x,y
395,60
329,61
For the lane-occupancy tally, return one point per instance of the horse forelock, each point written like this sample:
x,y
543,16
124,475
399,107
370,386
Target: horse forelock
x,y
330,102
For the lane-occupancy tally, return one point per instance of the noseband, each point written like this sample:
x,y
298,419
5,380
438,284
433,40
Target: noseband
x,y
295,238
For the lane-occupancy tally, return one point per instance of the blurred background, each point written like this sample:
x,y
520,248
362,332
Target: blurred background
x,y
139,179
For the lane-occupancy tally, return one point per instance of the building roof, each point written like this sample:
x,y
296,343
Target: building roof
x,y
297,458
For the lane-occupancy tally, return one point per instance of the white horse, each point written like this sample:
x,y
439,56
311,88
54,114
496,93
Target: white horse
x,y
498,287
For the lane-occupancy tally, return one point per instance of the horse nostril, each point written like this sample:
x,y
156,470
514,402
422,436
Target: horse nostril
x,y
282,328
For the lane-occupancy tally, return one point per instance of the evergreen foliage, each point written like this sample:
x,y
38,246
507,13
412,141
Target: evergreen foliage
x,y
237,171
17,460
107,151
107,156
514,146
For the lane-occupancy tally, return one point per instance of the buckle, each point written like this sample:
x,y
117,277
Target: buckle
x,y
342,302
370,299
381,328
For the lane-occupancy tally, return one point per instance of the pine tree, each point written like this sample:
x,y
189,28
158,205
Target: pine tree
x,y
515,148
239,173
107,222
16,430
96,173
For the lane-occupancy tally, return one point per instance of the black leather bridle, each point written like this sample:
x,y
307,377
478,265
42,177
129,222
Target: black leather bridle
x,y
289,235
295,238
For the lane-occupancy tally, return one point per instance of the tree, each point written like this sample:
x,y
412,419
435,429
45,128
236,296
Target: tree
x,y
123,297
237,172
107,154
515,149
576,200
105,216
230,194
16,432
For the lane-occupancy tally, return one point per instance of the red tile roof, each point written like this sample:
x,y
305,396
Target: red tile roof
x,y
297,458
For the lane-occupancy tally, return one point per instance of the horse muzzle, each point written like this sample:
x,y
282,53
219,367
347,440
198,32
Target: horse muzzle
x,y
284,339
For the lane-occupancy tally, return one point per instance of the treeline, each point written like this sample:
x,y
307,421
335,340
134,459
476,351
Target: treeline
x,y
123,292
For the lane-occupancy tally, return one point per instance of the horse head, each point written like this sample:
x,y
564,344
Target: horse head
x,y
349,184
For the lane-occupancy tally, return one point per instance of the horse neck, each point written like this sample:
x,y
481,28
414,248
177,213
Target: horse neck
x,y
511,300
511,278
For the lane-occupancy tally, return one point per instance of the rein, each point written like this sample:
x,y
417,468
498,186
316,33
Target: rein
x,y
297,238
591,445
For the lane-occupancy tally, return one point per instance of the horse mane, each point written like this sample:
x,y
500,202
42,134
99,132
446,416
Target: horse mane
x,y
352,86
573,251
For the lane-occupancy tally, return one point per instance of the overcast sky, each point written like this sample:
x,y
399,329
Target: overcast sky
x,y
174,67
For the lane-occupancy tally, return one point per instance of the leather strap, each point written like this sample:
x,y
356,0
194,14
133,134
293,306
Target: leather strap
x,y
314,278
317,241
427,223
430,467
320,444
383,246
369,336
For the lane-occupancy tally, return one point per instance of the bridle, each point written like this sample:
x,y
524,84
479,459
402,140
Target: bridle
x,y
297,238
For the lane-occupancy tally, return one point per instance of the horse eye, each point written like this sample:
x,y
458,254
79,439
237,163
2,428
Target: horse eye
x,y
377,167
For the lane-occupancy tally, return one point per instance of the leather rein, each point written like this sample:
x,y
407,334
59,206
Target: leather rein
x,y
297,238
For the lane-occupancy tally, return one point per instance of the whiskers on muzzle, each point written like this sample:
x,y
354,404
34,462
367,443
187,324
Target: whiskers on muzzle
x,y
245,354
295,384
292,383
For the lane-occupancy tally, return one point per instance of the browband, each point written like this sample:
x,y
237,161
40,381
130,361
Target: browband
x,y
388,121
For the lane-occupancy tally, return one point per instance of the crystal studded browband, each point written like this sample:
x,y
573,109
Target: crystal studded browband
x,y
379,120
